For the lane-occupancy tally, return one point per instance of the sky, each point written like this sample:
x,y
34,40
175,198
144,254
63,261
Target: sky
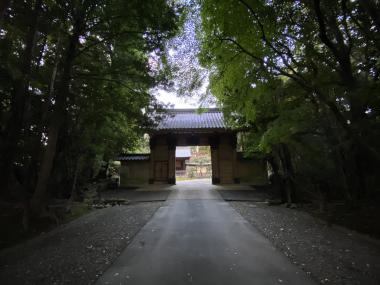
x,y
178,102
182,55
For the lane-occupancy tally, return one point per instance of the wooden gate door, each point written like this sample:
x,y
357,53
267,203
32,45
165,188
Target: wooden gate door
x,y
226,171
161,171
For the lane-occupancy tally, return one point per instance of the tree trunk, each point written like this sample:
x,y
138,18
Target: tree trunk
x,y
288,172
39,197
276,179
4,4
18,100
74,192
36,155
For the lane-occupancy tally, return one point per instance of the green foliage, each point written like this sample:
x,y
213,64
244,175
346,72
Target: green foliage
x,y
108,105
300,74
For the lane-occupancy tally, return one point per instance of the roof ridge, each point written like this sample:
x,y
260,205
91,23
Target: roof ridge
x,y
193,110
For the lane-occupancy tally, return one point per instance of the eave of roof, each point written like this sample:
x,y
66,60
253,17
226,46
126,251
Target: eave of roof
x,y
191,120
133,156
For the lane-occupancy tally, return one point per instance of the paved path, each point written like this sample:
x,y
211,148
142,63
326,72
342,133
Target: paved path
x,y
197,238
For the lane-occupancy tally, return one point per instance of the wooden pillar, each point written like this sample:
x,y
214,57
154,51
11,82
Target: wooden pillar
x,y
235,164
152,145
214,145
172,142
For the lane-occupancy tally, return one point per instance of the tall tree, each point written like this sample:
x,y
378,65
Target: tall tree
x,y
19,96
83,65
313,59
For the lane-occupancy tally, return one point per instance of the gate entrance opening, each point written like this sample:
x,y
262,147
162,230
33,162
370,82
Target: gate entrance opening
x,y
192,162
186,127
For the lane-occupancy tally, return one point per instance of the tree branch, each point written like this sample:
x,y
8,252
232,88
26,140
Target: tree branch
x,y
270,44
112,36
302,83
342,57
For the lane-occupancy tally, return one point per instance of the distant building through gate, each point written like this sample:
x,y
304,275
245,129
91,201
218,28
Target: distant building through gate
x,y
182,154
187,127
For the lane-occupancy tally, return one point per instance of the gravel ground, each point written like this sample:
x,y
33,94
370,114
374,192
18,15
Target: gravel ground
x,y
78,252
331,255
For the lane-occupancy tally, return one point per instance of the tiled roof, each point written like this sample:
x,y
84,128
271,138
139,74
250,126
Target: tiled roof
x,y
133,156
182,151
190,119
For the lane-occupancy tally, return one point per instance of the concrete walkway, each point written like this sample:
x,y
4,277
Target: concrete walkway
x,y
194,184
197,238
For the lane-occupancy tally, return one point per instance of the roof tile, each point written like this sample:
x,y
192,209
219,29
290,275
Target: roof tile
x,y
190,119
134,156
